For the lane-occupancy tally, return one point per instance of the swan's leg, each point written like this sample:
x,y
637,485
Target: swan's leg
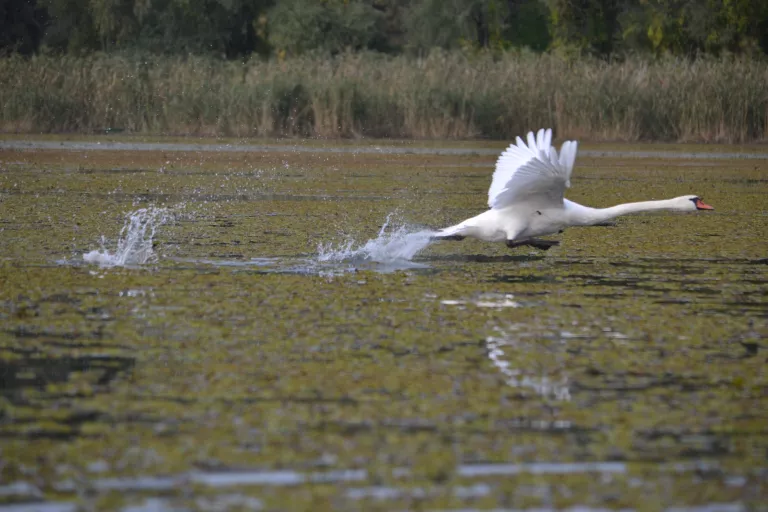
x,y
608,224
536,243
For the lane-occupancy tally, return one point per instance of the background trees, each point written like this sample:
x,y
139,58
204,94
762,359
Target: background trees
x,y
235,28
226,27
298,26
675,26
497,24
21,25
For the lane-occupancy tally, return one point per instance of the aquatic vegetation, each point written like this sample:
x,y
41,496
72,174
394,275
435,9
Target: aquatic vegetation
x,y
624,369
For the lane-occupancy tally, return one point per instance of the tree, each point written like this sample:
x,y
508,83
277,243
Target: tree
x,y
661,26
70,27
227,27
477,23
235,28
297,26
231,28
588,25
528,25
21,26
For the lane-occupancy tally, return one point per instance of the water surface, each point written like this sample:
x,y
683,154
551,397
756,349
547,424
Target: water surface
x,y
279,342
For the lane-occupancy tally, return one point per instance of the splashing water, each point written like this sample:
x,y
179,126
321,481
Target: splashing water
x,y
134,245
392,245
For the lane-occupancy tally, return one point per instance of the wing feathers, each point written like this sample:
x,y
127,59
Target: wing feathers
x,y
568,154
532,171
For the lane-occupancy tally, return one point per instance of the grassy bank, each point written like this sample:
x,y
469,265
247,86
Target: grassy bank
x,y
441,96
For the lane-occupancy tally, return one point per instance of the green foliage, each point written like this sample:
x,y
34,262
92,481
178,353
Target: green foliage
x,y
493,24
235,28
587,25
450,23
660,26
298,26
528,25
224,27
21,26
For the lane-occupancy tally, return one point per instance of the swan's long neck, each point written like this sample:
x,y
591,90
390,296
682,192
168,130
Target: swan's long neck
x,y
586,216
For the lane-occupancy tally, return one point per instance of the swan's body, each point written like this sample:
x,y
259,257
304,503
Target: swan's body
x,y
526,198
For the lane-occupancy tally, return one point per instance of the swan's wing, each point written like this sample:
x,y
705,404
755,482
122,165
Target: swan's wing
x,y
532,171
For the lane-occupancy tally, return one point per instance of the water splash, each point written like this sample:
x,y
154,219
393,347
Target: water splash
x,y
134,245
394,244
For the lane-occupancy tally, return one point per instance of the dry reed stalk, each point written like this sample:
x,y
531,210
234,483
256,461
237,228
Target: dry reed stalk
x,y
443,95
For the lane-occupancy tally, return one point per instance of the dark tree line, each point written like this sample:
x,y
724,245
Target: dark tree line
x,y
22,25
236,28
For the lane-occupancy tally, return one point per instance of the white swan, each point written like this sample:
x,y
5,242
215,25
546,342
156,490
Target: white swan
x,y
526,198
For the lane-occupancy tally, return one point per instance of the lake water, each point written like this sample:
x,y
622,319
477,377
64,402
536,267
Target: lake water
x,y
187,328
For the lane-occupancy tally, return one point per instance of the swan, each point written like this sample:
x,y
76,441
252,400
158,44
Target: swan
x,y
526,198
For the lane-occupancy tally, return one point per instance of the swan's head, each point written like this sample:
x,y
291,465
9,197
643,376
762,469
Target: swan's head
x,y
690,204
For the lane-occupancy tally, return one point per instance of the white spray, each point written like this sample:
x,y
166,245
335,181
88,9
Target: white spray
x,y
134,245
394,244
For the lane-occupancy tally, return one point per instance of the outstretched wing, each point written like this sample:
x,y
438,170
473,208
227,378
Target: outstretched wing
x,y
533,171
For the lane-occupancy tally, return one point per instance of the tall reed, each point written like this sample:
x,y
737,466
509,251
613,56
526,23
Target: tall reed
x,y
444,95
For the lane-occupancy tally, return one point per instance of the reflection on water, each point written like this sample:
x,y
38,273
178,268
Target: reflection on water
x,y
44,385
541,468
40,507
239,502
382,493
228,479
509,351
486,300
222,481
279,478
37,370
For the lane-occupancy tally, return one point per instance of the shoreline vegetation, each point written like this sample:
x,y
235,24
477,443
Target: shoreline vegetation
x,y
444,95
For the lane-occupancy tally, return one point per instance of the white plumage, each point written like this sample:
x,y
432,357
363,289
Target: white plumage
x,y
526,197
523,170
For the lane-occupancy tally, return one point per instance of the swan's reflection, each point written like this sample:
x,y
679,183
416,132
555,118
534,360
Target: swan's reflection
x,y
546,379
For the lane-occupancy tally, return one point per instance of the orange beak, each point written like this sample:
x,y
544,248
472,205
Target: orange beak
x,y
701,205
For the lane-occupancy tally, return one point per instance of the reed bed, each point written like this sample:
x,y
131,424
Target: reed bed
x,y
444,95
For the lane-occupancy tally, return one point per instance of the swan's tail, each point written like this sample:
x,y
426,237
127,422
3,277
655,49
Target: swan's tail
x,y
451,233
